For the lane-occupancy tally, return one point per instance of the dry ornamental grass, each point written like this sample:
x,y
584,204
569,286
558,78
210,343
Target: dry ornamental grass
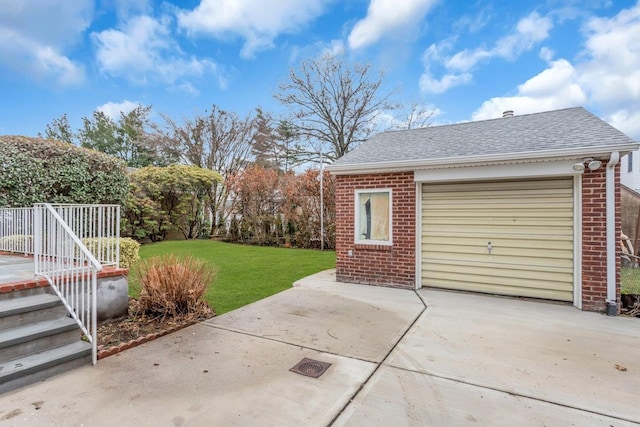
x,y
174,287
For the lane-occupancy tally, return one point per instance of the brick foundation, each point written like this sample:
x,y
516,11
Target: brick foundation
x,y
375,264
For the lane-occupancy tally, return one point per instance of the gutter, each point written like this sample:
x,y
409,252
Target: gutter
x,y
612,303
406,165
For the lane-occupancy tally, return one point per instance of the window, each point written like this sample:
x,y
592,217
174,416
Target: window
x,y
373,217
630,164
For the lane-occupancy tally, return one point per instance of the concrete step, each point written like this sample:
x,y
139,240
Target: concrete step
x,y
23,341
30,309
38,290
38,366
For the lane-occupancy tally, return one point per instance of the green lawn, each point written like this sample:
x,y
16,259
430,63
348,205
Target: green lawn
x,y
245,273
630,280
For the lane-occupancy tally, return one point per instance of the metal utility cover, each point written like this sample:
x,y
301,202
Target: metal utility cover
x,y
310,368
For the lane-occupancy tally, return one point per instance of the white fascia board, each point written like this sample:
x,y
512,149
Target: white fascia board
x,y
503,171
409,165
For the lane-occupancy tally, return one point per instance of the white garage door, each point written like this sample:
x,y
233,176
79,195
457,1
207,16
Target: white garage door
x,y
509,238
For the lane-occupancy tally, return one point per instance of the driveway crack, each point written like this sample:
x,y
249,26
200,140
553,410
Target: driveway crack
x,y
382,362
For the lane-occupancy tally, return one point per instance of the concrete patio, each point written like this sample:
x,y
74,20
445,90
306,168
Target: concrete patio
x,y
398,358
15,268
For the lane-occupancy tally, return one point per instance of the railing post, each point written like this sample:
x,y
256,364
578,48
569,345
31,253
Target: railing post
x,y
37,238
94,317
117,232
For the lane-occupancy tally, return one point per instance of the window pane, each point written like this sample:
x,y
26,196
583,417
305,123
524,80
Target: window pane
x,y
374,216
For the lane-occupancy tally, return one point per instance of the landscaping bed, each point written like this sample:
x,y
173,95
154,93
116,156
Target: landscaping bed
x,y
245,274
121,334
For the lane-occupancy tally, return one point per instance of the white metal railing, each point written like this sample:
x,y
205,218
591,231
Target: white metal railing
x,y
61,236
16,230
97,226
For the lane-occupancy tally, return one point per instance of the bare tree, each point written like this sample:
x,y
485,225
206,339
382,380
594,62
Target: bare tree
x,y
220,141
415,117
333,103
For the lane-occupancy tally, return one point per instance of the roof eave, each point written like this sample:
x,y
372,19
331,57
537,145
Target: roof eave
x,y
405,165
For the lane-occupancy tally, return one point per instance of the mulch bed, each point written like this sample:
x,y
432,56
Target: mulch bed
x,y
122,334
630,305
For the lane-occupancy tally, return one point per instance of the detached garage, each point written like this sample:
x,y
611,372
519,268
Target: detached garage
x,y
522,206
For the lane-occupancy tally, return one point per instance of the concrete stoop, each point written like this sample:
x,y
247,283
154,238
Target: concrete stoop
x,y
37,338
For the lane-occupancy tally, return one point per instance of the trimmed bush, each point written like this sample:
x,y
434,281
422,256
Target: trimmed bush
x,y
172,286
129,249
17,243
36,170
165,199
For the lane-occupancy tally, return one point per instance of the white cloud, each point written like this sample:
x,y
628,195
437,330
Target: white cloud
x,y
317,50
473,23
627,121
605,77
114,109
143,50
334,48
128,8
546,53
387,18
530,30
611,71
430,84
30,44
258,22
552,89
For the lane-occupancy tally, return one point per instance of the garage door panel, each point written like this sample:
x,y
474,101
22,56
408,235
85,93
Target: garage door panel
x,y
481,211
530,283
513,290
501,255
496,230
546,186
495,222
551,242
496,260
495,205
553,274
529,225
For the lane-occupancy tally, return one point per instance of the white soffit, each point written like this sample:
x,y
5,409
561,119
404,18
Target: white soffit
x,y
504,171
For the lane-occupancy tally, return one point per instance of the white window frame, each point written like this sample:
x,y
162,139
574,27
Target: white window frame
x,y
358,239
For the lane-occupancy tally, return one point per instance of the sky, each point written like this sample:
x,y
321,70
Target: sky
x,y
462,60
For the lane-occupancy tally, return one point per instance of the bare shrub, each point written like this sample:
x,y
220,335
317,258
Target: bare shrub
x,y
174,287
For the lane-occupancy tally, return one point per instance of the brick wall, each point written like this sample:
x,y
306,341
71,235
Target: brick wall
x,y
594,239
395,265
375,264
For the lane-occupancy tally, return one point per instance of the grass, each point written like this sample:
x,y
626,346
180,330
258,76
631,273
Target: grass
x,y
630,278
245,273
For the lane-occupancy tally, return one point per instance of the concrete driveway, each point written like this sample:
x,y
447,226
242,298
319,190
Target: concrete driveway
x,y
398,358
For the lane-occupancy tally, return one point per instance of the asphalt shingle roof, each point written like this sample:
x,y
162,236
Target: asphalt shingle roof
x,y
552,130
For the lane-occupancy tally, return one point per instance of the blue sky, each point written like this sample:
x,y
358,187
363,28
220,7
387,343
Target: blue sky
x,y
463,60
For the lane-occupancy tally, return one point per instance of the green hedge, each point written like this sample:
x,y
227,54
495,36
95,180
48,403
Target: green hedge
x,y
36,170
129,249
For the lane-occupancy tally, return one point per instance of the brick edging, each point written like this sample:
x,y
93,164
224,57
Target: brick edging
x,y
110,351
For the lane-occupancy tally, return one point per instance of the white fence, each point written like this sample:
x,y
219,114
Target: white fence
x,y
16,230
97,227
70,244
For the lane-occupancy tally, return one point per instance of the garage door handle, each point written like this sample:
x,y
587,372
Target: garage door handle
x,y
489,247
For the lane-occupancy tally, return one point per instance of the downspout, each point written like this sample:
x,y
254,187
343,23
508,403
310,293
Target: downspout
x,y
612,303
